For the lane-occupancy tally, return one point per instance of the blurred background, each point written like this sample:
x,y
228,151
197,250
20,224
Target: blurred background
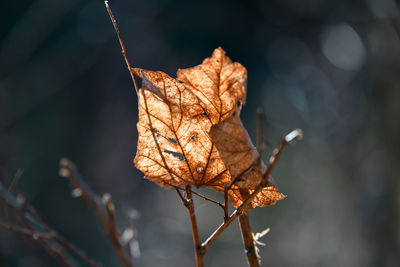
x,y
329,67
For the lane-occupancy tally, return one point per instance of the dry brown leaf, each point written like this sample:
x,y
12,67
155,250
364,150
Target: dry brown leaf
x,y
175,116
175,146
243,161
219,84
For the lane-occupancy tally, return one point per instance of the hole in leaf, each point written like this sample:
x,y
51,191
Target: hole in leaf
x,y
199,169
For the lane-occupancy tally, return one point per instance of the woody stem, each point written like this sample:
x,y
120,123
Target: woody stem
x,y
188,202
248,240
244,221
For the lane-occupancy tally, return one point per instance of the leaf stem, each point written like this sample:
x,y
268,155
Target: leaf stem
x,y
209,199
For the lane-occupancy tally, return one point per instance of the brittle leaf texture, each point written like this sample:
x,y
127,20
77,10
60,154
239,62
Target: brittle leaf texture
x,y
243,162
187,126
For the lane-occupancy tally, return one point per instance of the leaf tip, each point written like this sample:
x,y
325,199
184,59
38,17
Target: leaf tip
x,y
218,52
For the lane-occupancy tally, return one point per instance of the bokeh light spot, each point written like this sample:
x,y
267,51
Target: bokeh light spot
x,y
343,47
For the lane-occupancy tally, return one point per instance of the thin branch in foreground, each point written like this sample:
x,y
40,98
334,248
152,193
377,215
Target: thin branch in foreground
x,y
113,231
37,220
129,235
53,243
26,231
17,205
76,251
15,180
292,136
104,209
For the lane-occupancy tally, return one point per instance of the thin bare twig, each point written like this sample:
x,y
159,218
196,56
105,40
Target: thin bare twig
x,y
259,129
15,180
226,203
36,219
129,235
195,231
54,243
244,221
207,198
180,196
228,187
294,135
113,231
248,240
38,231
104,209
114,22
188,203
75,250
25,231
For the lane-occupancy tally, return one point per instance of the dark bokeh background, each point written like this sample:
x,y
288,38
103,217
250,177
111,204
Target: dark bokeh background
x,y
329,67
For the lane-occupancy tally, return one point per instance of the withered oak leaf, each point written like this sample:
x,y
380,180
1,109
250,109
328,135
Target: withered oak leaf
x,y
179,125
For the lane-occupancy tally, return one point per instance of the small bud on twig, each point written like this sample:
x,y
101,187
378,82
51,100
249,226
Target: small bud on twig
x,y
63,172
294,135
76,192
